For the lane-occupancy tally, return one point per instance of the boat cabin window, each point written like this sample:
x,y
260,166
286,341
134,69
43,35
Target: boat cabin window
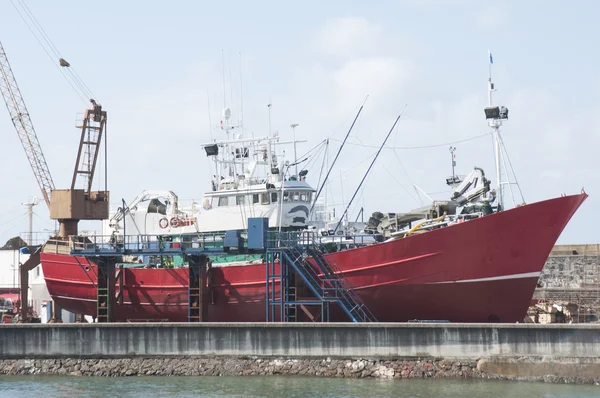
x,y
239,200
255,198
223,201
273,197
301,196
156,206
264,198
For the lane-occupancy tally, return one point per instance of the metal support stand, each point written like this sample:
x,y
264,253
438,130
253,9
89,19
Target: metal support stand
x,y
106,288
283,284
120,277
56,316
197,290
24,268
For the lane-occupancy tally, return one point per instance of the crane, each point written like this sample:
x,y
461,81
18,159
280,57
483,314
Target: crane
x,y
22,122
68,206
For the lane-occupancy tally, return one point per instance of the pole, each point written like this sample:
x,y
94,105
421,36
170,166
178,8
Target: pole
x,y
124,231
29,206
495,125
269,106
368,170
496,134
490,84
452,150
336,156
293,126
30,222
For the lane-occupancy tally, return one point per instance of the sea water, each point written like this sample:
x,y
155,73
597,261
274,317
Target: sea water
x,y
278,386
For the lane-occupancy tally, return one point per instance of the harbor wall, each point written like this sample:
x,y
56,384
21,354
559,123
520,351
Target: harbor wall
x,y
533,352
379,341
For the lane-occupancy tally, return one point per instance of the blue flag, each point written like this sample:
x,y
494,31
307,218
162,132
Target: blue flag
x,y
491,59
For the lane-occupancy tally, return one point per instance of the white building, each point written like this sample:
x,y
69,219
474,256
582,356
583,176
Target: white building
x,y
10,281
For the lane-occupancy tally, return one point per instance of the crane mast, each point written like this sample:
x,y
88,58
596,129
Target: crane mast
x,y
22,122
92,127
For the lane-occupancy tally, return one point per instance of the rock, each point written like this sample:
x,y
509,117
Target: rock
x,y
219,366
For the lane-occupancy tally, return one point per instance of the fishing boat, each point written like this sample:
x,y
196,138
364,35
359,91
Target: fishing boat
x,y
464,259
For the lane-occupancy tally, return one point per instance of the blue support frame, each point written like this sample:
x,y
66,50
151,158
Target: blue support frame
x,y
323,278
286,254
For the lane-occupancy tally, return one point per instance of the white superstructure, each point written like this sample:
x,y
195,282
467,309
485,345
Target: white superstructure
x,y
250,178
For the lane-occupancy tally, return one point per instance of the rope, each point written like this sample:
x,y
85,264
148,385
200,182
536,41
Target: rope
x,y
419,146
71,76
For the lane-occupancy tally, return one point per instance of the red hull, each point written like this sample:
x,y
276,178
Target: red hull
x,y
478,271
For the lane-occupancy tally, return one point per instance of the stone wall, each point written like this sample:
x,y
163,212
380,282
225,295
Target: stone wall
x,y
530,369
571,271
571,275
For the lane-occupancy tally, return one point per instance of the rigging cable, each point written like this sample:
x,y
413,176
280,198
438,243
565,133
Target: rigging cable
x,y
511,168
71,76
394,177
50,43
420,146
318,146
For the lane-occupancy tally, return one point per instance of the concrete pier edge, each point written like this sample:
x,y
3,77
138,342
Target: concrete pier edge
x,y
562,353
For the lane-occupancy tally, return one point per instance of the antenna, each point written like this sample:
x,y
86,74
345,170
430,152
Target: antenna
x,y
490,84
269,106
241,123
210,125
293,126
231,85
453,180
453,157
223,67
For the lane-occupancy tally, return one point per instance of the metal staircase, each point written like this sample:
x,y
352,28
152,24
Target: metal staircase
x,y
302,255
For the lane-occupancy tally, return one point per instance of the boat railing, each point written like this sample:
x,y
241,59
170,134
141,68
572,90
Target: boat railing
x,y
292,238
57,246
314,242
143,243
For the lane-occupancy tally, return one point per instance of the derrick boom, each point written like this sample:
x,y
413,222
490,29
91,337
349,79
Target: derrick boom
x,y
22,122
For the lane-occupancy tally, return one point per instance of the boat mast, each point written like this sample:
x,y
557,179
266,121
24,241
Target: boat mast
x,y
335,159
367,172
495,115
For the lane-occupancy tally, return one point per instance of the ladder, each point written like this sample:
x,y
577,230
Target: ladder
x,y
306,258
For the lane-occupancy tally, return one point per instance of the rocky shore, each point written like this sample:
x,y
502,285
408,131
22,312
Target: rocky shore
x,y
247,366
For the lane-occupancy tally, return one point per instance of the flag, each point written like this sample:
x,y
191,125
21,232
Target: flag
x,y
491,59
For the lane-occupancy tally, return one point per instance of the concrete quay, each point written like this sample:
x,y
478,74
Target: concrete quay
x,y
348,340
532,351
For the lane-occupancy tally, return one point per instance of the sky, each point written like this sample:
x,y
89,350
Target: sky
x,y
157,69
